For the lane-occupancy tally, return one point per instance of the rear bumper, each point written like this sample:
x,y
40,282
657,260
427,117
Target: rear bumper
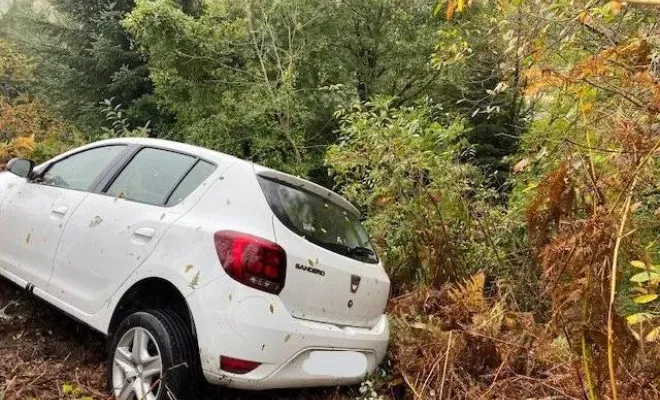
x,y
255,326
292,374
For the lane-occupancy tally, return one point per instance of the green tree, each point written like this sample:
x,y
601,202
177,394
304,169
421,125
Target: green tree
x,y
261,79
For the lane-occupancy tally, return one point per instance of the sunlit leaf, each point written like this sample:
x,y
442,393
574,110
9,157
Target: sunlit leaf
x,y
637,318
653,335
638,264
461,5
645,277
438,7
646,298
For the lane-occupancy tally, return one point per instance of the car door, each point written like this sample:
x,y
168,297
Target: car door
x,y
35,212
7,183
122,225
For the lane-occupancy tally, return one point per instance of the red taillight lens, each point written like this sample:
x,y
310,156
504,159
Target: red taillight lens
x,y
251,260
237,366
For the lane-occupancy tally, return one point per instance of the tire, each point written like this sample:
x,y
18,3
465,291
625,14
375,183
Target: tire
x,y
162,366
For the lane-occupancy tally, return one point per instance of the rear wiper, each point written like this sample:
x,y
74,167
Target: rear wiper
x,y
362,252
358,251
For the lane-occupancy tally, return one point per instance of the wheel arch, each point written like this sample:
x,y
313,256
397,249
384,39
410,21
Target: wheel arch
x,y
152,293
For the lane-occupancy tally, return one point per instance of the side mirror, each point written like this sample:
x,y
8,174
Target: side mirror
x,y
20,167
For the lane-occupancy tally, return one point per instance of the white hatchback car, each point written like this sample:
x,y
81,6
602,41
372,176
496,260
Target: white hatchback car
x,y
195,263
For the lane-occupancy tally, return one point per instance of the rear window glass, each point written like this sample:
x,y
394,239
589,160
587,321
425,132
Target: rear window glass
x,y
322,222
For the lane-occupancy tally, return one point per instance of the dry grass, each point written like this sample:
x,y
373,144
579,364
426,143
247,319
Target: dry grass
x,y
456,343
41,351
463,345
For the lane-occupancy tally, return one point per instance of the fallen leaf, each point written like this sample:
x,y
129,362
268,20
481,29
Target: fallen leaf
x,y
521,165
195,281
645,277
615,6
96,221
451,9
584,17
637,318
653,335
645,298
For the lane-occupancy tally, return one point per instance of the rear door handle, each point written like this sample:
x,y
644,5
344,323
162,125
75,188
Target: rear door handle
x,y
146,233
61,211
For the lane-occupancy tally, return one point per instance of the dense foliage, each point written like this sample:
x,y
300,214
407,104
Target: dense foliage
x,y
504,155
82,56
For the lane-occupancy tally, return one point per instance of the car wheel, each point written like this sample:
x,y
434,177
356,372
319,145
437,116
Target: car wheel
x,y
151,357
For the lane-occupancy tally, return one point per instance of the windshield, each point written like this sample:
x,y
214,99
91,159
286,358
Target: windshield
x,y
320,221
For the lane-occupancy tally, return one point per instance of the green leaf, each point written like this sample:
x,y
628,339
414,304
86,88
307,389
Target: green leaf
x,y
645,298
438,8
645,277
638,264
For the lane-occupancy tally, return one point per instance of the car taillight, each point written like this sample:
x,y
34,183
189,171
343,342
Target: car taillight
x,y
251,260
237,366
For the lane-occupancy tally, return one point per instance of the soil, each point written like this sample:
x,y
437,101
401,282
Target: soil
x,y
45,355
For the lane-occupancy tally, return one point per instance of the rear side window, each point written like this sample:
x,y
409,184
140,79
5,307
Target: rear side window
x,y
322,222
151,176
195,177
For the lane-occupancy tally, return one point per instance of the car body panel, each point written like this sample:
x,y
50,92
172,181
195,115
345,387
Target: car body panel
x,y
37,215
119,236
8,182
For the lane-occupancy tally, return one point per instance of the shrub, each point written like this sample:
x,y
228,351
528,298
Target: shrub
x,y
427,212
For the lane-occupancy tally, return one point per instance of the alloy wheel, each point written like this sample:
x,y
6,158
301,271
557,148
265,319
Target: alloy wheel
x,y
137,366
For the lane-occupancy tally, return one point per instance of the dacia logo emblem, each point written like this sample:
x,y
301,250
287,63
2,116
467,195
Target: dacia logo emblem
x,y
355,283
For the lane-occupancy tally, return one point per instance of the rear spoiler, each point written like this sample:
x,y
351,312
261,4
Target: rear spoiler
x,y
306,185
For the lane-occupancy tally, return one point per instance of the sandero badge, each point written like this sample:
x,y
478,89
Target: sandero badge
x,y
311,270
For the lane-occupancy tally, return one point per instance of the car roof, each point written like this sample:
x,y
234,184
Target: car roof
x,y
201,152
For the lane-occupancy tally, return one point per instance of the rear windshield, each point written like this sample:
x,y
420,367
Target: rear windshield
x,y
322,222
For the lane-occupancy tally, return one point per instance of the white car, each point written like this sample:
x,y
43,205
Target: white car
x,y
197,264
